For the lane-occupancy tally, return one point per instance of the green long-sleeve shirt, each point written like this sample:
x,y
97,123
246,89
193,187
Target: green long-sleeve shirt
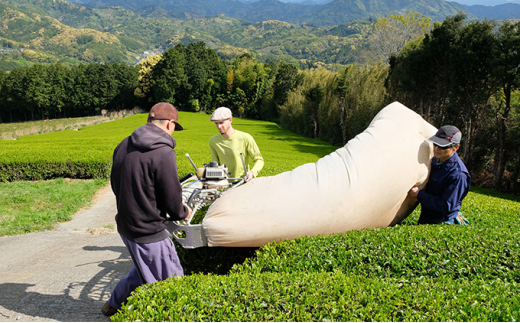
x,y
227,151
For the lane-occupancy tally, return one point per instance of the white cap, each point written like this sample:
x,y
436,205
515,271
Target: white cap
x,y
220,114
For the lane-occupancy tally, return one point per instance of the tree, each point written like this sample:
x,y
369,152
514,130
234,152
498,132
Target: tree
x,y
197,74
391,33
342,88
251,78
169,75
37,88
3,97
506,68
313,98
421,75
212,67
287,78
513,139
145,78
15,95
360,94
472,74
126,78
58,96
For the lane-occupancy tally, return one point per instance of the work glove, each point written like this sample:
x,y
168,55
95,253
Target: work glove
x,y
460,219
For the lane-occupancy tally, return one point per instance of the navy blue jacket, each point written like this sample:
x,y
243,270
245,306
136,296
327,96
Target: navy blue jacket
x,y
447,186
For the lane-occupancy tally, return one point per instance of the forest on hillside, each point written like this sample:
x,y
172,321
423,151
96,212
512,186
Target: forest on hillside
x,y
43,31
461,73
118,35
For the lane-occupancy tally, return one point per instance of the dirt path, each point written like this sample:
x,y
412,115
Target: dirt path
x,y
66,274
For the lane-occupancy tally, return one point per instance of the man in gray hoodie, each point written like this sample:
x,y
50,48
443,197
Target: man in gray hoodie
x,y
147,188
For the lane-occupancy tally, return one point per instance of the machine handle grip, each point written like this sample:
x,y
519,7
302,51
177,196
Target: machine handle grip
x,y
193,195
185,177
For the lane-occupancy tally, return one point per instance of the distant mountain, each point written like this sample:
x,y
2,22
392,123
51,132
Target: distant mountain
x,y
485,2
341,11
308,2
29,36
48,31
499,12
332,13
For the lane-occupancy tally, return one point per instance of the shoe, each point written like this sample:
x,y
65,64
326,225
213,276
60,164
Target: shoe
x,y
108,310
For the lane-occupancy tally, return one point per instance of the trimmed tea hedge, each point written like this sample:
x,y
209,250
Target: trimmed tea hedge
x,y
320,297
488,248
40,170
405,273
87,153
419,251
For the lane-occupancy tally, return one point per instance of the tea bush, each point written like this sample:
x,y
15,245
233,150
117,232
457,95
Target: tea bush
x,y
404,273
417,251
87,153
303,296
489,248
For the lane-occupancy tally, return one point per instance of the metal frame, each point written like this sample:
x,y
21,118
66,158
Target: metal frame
x,y
194,236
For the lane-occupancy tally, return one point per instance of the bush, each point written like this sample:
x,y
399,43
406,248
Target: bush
x,y
403,251
87,153
303,296
404,273
41,170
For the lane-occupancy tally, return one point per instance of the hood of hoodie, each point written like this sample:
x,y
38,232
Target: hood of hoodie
x,y
151,137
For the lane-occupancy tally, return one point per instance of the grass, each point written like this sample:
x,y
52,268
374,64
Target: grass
x,y
281,149
35,206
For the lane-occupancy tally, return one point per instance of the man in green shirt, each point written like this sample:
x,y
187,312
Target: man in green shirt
x,y
227,146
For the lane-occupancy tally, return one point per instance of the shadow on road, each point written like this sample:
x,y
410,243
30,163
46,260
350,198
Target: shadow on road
x,y
79,302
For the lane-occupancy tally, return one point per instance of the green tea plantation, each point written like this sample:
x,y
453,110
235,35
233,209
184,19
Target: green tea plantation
x,y
402,273
87,153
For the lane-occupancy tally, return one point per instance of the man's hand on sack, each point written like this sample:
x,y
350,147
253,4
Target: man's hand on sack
x,y
249,176
413,192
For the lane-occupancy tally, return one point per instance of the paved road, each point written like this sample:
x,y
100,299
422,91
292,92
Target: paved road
x,y
66,274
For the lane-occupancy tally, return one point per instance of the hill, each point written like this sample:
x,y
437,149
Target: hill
x,y
45,31
35,37
48,31
332,13
341,11
498,12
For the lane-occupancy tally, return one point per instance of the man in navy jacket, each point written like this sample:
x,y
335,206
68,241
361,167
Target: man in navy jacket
x,y
448,183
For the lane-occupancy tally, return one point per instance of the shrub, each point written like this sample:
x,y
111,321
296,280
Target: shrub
x,y
304,296
489,248
404,273
405,251
87,153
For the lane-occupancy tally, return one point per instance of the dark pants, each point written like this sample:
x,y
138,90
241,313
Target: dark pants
x,y
152,262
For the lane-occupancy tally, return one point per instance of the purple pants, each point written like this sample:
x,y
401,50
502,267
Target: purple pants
x,y
152,262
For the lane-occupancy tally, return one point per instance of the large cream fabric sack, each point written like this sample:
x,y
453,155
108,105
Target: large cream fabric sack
x,y
363,184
